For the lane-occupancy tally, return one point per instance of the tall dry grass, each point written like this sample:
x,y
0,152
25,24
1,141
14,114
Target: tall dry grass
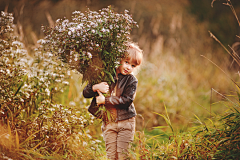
x,y
178,71
6,139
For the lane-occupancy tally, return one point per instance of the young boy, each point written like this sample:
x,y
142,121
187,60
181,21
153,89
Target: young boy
x,y
118,132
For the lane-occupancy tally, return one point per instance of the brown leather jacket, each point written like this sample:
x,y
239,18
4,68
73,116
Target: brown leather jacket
x,y
123,101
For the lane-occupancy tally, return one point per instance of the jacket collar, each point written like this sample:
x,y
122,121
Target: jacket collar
x,y
119,76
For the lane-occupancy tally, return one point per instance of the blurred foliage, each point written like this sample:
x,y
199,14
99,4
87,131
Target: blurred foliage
x,y
221,20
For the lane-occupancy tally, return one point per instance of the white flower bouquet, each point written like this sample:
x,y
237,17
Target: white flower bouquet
x,y
92,42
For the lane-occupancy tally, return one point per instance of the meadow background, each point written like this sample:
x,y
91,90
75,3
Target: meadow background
x,y
187,96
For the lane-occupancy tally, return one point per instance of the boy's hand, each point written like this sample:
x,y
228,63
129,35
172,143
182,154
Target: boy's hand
x,y
100,99
102,87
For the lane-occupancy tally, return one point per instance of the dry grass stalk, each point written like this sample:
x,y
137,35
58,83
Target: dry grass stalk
x,y
50,20
5,138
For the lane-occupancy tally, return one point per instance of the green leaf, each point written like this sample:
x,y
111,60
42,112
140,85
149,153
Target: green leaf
x,y
160,127
21,84
105,52
110,76
166,118
114,71
99,33
104,63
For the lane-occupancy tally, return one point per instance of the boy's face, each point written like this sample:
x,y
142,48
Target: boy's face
x,y
126,67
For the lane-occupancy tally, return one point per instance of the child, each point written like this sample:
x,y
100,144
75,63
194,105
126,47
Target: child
x,y
118,132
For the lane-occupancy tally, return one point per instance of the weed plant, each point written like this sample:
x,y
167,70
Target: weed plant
x,y
33,124
214,138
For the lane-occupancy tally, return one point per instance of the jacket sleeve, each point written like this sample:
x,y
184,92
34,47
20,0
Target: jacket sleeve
x,y
125,100
88,92
94,109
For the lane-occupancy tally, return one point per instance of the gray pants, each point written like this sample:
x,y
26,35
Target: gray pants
x,y
117,136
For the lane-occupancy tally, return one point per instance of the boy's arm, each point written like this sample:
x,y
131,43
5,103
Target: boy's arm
x,y
125,100
90,90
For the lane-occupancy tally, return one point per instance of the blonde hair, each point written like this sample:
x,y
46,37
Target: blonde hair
x,y
134,53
